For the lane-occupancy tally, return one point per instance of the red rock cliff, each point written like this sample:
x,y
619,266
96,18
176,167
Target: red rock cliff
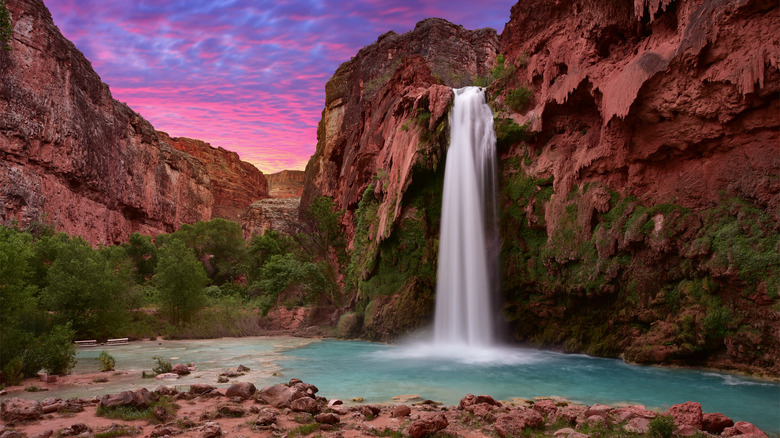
x,y
286,184
73,156
662,100
368,100
235,183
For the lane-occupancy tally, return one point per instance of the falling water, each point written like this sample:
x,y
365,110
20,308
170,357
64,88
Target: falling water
x,y
467,248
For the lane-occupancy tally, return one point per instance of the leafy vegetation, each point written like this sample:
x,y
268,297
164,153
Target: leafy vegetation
x,y
519,98
6,27
131,413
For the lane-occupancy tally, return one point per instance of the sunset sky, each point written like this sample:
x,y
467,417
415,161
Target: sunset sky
x,y
247,75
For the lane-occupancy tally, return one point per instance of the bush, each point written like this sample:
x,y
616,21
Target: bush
x,y
519,98
58,353
107,361
12,372
163,366
662,426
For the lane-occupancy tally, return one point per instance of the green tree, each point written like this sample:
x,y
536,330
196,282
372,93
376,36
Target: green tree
x,y
143,255
219,244
86,287
180,280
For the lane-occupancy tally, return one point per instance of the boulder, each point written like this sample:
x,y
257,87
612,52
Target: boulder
x,y
340,409
638,425
76,429
266,417
597,409
45,434
545,407
471,400
200,388
743,429
281,395
231,411
211,429
715,422
334,402
327,418
428,426
305,404
180,369
19,409
243,369
513,423
245,390
140,398
10,433
166,390
401,411
688,413
568,433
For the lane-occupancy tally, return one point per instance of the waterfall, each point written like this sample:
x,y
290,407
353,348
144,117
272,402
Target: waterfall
x,y
468,243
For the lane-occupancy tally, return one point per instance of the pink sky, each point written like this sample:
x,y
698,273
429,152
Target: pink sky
x,y
245,75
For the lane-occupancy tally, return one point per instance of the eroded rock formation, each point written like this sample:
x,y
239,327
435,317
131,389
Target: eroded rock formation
x,y
235,183
286,184
272,214
73,156
640,148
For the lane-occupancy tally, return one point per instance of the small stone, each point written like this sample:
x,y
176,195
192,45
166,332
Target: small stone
x,y
357,399
180,369
211,429
242,369
327,418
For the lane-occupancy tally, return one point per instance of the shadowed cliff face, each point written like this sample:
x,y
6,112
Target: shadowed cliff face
x,y
640,148
72,156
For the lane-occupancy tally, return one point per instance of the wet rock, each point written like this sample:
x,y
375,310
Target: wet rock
x,y
167,376
243,369
401,411
180,369
743,429
245,390
715,422
19,409
327,418
688,413
305,404
201,388
222,379
428,426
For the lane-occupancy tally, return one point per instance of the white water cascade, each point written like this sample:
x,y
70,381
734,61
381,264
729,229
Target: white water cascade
x,y
468,243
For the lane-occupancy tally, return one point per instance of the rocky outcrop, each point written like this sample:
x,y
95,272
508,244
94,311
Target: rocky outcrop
x,y
286,184
639,147
270,214
644,187
382,105
235,184
673,100
72,156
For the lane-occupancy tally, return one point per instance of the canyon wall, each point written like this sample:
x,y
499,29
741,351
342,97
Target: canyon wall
x,y
286,184
235,184
639,153
72,156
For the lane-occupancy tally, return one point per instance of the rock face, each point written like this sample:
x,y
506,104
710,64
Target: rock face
x,y
73,156
270,214
286,184
370,97
235,183
639,146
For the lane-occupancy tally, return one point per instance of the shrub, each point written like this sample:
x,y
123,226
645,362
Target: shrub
x,y
107,361
12,372
662,426
58,353
519,98
163,366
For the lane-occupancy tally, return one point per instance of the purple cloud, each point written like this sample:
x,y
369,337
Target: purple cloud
x,y
242,74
